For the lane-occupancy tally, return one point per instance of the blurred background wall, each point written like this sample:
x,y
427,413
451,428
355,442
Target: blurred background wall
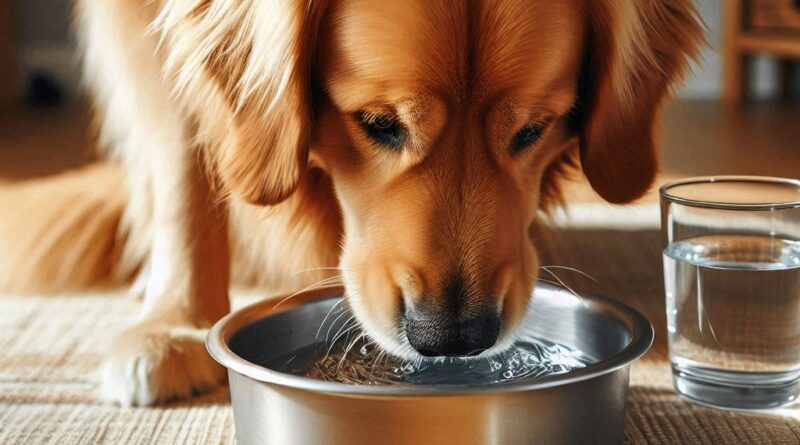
x,y
46,46
702,133
42,23
705,81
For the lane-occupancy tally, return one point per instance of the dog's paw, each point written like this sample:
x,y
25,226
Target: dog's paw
x,y
149,364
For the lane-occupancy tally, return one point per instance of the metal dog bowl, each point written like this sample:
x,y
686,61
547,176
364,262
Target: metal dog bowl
x,y
583,406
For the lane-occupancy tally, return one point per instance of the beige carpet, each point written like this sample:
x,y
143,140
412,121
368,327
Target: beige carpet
x,y
49,347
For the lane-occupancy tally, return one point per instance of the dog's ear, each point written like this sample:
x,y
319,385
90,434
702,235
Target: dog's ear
x,y
255,58
636,49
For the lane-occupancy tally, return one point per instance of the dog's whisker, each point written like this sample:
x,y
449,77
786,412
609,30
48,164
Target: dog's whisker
x,y
349,348
328,333
314,269
348,323
572,269
290,360
333,324
345,334
469,354
377,361
330,311
545,280
308,288
564,285
341,334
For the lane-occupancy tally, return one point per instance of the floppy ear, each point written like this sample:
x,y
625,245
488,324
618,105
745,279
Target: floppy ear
x,y
636,50
255,58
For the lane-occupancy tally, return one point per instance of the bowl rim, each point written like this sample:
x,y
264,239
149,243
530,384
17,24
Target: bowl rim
x,y
642,336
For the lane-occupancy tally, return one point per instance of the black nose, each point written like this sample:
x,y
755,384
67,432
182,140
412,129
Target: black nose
x,y
441,336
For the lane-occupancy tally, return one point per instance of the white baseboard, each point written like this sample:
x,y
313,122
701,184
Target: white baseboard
x,y
645,216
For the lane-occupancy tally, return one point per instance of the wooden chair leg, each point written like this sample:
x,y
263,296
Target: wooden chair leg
x,y
736,78
8,73
734,62
786,70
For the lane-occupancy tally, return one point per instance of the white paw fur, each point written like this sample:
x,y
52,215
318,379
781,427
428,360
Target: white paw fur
x,y
148,364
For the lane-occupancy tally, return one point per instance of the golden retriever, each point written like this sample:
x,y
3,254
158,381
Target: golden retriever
x,y
404,146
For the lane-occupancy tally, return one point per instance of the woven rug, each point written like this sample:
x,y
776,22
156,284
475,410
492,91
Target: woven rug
x,y
50,346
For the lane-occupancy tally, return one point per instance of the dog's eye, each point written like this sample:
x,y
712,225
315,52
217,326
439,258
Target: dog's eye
x,y
526,137
383,129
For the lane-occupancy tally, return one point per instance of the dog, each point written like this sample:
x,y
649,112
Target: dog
x,y
402,147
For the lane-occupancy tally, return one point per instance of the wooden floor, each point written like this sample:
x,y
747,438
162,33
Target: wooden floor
x,y
705,138
697,138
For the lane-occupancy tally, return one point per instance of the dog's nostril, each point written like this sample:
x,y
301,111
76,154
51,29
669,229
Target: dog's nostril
x,y
441,337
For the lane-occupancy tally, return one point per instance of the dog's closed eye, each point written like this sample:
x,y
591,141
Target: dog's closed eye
x,y
383,128
526,137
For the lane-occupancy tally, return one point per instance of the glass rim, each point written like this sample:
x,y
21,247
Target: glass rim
x,y
663,192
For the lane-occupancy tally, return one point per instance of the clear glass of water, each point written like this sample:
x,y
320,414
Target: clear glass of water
x,y
732,280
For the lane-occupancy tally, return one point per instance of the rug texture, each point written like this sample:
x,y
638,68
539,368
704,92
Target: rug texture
x,y
50,347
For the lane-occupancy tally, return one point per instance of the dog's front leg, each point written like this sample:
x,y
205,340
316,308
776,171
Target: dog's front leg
x,y
162,356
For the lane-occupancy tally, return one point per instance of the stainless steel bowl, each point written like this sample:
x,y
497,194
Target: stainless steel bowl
x,y
583,406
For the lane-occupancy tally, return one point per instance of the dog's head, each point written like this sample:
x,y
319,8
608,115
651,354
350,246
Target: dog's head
x,y
442,126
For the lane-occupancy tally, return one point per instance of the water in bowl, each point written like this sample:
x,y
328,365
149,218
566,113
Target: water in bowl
x,y
359,361
733,315
343,353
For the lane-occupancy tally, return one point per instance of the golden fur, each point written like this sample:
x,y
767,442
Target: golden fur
x,y
265,103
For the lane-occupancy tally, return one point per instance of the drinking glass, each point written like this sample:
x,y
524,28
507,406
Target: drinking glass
x,y
732,280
